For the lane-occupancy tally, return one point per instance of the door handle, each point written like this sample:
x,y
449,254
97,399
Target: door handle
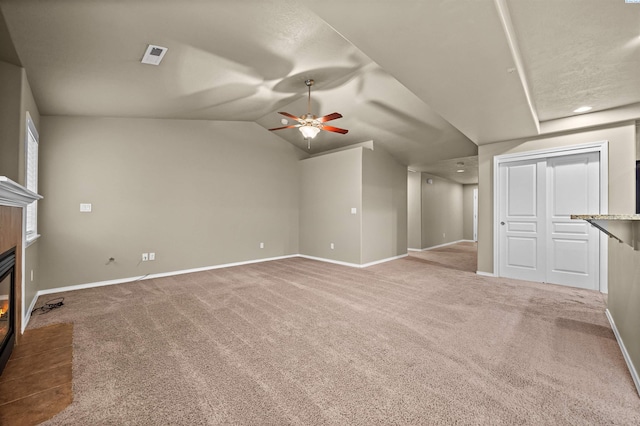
x,y
502,223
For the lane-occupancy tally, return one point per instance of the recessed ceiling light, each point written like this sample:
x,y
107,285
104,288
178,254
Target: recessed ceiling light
x,y
460,171
583,109
284,121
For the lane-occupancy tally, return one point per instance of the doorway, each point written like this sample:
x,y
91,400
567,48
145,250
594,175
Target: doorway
x,y
534,237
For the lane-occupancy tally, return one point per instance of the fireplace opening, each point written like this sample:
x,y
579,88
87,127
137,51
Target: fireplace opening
x,y
7,305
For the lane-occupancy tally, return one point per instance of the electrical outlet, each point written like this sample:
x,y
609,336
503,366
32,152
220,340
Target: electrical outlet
x,y
261,245
332,246
145,257
32,275
152,256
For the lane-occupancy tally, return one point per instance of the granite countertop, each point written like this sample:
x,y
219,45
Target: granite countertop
x,y
606,216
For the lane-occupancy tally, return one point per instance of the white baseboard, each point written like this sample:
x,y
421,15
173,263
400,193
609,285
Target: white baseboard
x,y
26,316
336,262
446,244
158,275
389,259
485,274
412,249
353,265
625,354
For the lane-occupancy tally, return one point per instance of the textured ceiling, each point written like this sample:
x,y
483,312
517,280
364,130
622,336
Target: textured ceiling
x,y
426,80
584,52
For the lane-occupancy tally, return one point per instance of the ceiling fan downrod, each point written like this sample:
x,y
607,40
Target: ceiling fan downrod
x,y
309,83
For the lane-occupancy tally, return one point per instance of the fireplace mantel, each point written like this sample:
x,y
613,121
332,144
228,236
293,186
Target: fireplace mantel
x,y
15,195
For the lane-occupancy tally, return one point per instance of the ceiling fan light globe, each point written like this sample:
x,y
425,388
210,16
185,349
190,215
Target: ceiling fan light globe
x,y
309,132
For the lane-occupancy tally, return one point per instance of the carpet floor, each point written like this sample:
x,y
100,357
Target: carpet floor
x,y
419,340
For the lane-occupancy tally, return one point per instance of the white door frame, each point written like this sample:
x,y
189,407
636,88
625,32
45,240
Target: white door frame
x,y
601,147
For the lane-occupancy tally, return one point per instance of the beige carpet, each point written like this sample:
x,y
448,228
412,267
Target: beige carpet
x,y
295,341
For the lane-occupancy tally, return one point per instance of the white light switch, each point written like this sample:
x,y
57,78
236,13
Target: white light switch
x,y
354,210
85,207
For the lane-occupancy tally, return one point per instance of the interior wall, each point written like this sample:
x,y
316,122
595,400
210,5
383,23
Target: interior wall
x,y
31,257
384,206
624,294
442,210
467,196
414,207
621,175
15,101
196,193
331,185
10,100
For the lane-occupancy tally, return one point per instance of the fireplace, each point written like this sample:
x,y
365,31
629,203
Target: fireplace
x,y
7,305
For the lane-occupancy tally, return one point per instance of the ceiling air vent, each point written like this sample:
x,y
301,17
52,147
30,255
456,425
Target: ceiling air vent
x,y
154,55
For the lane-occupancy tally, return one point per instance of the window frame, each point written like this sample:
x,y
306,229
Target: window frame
x,y
32,139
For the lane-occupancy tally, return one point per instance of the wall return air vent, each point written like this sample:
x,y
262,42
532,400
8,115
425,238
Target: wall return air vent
x,y
154,54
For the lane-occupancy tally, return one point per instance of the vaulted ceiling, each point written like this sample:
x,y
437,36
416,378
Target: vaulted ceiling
x,y
426,80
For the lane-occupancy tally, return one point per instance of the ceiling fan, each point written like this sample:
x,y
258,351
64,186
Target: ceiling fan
x,y
310,125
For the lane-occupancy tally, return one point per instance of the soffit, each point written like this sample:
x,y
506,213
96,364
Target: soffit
x,y
579,52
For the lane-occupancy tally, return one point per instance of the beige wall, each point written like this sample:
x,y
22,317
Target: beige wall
x,y
414,201
15,100
467,195
621,175
10,101
384,206
624,294
197,193
442,209
331,185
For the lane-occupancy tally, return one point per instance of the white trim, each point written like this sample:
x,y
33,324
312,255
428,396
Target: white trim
x,y
602,147
412,249
507,26
446,244
26,316
15,195
388,259
188,271
485,274
31,239
158,275
625,354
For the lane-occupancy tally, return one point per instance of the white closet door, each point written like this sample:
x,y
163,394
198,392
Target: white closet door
x,y
521,220
573,187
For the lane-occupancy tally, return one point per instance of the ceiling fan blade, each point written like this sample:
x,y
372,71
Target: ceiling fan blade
x,y
334,129
286,114
286,127
330,117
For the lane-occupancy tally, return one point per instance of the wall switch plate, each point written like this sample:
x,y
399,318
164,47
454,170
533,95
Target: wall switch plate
x,y
85,207
332,246
145,257
354,210
261,245
152,256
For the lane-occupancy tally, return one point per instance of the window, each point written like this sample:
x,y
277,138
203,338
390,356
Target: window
x,y
31,158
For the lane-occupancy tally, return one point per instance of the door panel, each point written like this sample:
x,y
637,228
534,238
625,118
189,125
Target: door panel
x,y
522,252
573,187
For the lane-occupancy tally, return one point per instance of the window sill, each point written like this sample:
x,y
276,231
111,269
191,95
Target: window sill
x,y
31,240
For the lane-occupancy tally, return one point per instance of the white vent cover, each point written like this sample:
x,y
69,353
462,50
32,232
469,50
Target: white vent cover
x,y
154,54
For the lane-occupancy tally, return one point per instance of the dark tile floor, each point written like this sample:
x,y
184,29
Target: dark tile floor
x,y
36,382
